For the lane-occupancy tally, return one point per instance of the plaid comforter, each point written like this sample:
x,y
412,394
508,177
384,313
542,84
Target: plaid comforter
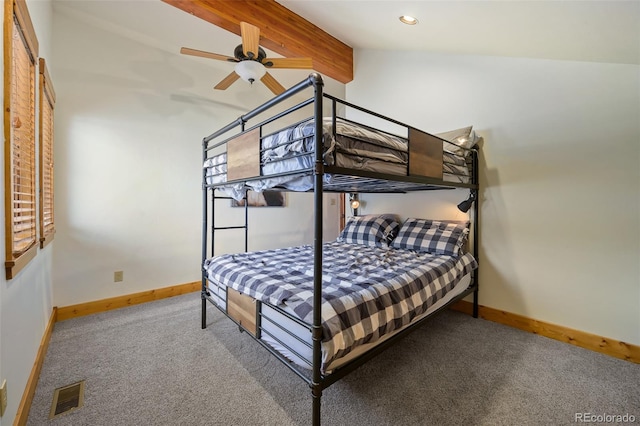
x,y
367,291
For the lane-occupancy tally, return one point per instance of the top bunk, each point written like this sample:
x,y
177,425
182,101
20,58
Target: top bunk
x,y
272,148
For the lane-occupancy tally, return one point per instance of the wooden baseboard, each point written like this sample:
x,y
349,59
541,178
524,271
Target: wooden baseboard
x,y
88,308
611,347
30,389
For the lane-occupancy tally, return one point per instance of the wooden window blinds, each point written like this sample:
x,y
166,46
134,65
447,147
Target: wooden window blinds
x,y
47,103
20,53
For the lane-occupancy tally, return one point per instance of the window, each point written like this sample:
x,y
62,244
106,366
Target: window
x,y
20,53
47,102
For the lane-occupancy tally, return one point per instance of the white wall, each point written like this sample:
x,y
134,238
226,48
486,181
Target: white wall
x,y
130,118
26,300
559,175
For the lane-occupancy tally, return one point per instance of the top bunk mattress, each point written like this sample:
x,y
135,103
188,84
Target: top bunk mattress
x,y
351,146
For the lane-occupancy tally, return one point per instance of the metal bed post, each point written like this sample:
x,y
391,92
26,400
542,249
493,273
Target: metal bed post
x,y
246,202
204,235
246,221
476,213
316,385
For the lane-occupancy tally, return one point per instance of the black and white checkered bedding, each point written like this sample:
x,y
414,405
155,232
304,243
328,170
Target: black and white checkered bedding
x,y
367,291
432,236
370,230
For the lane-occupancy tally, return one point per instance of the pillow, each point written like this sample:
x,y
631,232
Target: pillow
x,y
432,236
370,230
464,137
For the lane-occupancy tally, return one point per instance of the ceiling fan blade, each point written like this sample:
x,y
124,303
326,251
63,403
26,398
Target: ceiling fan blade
x,y
293,63
272,84
250,39
203,54
227,81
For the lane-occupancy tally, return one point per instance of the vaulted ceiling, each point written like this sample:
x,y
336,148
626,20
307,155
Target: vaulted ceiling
x,y
601,31
598,31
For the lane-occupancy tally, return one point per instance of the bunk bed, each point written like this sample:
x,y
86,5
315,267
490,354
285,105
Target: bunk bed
x,y
325,309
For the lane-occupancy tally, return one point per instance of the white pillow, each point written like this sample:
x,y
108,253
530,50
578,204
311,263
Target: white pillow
x,y
464,137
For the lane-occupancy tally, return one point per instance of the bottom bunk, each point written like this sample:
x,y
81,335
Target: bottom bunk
x,y
376,284
291,338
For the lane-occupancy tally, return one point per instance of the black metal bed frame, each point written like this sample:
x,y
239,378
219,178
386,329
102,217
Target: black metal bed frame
x,y
345,180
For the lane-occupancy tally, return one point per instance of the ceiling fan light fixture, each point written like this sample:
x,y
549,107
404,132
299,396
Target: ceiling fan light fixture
x,y
409,20
248,66
250,71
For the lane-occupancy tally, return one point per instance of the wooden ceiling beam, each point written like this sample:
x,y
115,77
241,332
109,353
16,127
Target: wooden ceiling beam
x,y
281,31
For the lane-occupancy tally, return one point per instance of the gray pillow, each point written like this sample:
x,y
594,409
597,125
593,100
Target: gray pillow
x,y
464,137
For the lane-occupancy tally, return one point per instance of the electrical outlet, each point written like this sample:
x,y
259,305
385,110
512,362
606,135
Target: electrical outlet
x,y
3,397
118,276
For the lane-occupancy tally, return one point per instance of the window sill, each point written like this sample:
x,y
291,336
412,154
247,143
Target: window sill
x,y
16,265
47,239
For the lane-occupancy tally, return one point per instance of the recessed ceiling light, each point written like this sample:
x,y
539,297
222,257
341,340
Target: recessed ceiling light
x,y
409,20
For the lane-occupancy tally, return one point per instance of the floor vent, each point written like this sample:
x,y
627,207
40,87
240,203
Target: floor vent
x,y
66,399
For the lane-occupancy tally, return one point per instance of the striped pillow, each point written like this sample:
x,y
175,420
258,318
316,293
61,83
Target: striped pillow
x,y
432,236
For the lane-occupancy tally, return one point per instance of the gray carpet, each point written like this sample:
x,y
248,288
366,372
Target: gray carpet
x,y
152,364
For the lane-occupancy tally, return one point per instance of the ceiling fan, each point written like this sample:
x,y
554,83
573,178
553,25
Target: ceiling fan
x,y
251,61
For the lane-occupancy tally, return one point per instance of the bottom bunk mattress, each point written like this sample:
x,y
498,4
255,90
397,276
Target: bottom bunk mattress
x,y
369,293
